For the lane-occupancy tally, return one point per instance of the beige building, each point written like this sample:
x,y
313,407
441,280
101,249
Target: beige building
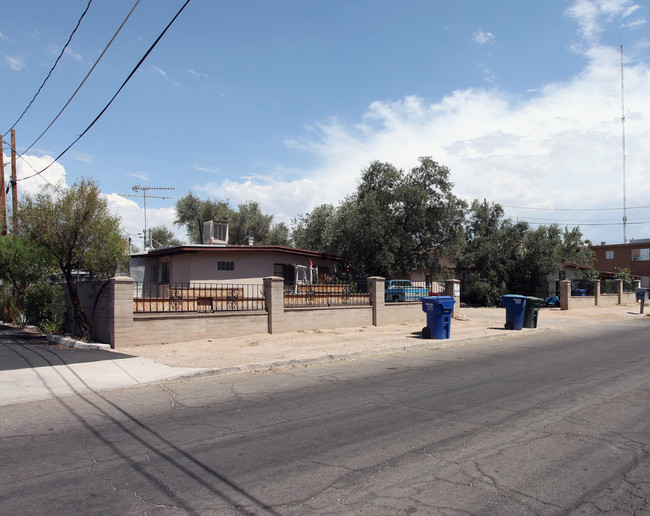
x,y
232,264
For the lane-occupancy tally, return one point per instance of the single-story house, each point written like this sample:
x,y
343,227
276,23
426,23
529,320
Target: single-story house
x,y
232,264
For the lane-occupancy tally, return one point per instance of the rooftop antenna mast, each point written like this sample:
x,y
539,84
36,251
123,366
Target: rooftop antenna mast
x,y
144,190
623,149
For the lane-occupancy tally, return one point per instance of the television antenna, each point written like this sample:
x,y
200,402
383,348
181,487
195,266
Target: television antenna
x,y
143,195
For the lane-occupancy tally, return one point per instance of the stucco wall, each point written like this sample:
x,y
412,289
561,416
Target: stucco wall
x,y
395,313
167,328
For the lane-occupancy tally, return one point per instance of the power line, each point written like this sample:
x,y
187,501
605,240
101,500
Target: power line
x,y
116,93
51,69
572,209
84,79
586,224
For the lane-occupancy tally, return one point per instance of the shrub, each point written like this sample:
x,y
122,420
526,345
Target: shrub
x,y
43,306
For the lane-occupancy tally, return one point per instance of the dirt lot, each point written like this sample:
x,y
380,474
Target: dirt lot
x,y
264,349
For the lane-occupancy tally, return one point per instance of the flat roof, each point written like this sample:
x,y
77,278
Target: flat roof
x,y
206,248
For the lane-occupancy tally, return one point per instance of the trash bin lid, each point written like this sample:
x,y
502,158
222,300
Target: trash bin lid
x,y
513,299
534,300
446,302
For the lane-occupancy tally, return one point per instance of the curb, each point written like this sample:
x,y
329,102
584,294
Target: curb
x,y
77,344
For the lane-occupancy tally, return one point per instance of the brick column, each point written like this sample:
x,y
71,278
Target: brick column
x,y
274,293
565,294
452,289
121,325
596,285
376,286
619,289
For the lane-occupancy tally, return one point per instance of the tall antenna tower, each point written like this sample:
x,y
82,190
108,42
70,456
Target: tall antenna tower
x,y
623,149
144,190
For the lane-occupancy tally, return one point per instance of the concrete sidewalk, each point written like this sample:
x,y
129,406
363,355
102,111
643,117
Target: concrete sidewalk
x,y
40,373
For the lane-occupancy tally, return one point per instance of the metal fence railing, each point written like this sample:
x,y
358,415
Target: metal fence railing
x,y
325,294
582,287
435,288
197,297
607,286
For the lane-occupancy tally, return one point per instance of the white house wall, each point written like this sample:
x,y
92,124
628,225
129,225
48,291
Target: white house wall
x,y
249,268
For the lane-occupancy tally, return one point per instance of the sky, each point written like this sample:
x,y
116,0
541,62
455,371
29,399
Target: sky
x,y
285,103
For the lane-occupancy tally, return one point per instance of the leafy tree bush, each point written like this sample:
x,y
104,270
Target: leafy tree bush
x,y
44,306
395,222
76,228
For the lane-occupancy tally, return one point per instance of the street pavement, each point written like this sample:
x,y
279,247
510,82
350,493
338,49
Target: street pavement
x,y
35,368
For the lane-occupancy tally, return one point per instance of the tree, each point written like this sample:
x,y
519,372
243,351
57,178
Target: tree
x,y
247,221
492,246
316,230
574,249
164,237
192,212
22,263
503,256
250,222
397,222
76,228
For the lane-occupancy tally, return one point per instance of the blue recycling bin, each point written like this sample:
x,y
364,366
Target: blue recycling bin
x,y
438,310
579,292
515,309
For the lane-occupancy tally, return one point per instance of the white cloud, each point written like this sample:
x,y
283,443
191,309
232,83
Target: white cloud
x,y
482,37
196,74
159,70
206,168
74,55
82,156
557,148
593,16
29,182
132,217
16,63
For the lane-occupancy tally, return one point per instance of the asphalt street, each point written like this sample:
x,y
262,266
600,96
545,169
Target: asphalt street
x,y
553,423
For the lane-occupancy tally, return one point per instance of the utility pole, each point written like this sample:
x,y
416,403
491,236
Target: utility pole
x,y
14,184
144,190
3,195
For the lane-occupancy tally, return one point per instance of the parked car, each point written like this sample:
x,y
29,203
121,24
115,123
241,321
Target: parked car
x,y
403,290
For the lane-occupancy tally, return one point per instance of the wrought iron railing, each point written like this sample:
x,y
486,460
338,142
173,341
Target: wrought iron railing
x,y
197,297
325,294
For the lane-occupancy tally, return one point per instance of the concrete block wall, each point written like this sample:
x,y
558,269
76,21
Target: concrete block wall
x,y
186,327
117,324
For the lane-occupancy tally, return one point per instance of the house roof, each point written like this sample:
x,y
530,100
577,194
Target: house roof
x,y
201,248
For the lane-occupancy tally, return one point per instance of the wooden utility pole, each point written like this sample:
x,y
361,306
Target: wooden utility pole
x,y
14,185
3,198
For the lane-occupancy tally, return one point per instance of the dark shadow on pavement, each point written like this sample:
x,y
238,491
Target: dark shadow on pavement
x,y
20,349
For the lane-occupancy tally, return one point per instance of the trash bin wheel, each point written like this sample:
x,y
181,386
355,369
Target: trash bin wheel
x,y
426,332
509,325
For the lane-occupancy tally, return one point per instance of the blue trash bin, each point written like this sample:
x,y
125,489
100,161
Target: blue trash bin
x,y
438,310
579,292
515,309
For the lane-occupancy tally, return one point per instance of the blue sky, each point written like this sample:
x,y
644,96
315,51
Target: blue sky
x,y
284,103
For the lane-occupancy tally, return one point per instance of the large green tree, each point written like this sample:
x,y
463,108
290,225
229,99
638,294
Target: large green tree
x,y
395,222
246,222
76,228
505,257
192,212
316,231
249,222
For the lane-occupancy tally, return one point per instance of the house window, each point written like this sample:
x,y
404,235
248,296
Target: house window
x,y
609,255
164,272
225,266
641,255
